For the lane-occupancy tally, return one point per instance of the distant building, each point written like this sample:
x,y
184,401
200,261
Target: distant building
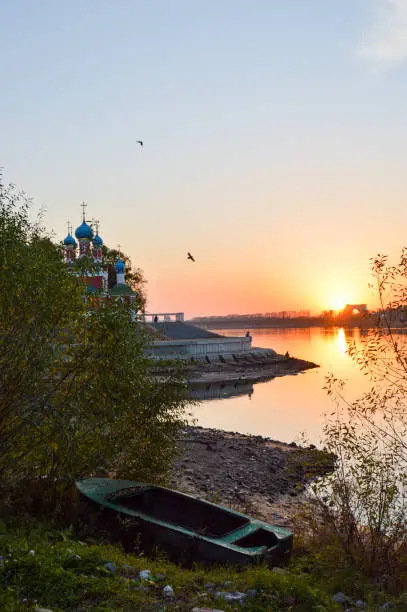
x,y
85,259
352,310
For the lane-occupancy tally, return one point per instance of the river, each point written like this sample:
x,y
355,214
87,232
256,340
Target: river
x,y
286,407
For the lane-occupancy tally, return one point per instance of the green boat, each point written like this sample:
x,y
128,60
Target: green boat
x,y
185,527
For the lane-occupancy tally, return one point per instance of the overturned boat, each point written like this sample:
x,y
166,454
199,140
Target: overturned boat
x,y
186,527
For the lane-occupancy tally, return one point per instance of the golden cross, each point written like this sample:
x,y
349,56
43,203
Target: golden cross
x,y
83,205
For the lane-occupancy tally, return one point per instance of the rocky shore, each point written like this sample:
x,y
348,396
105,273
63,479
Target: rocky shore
x,y
258,366
255,475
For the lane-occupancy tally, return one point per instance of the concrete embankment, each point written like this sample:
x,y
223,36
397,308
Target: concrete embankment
x,y
213,358
258,365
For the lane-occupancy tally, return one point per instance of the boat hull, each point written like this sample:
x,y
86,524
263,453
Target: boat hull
x,y
187,529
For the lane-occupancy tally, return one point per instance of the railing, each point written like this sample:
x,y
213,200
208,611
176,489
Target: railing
x,y
154,317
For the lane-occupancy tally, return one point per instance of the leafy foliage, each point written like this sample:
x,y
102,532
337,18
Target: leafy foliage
x,y
361,507
76,389
133,277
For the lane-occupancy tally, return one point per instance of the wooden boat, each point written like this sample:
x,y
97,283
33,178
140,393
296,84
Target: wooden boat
x,y
186,527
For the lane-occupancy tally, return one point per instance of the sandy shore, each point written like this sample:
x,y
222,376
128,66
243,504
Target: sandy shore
x,y
258,476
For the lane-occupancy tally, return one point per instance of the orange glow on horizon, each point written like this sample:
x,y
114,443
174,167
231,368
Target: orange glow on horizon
x,y
337,303
231,285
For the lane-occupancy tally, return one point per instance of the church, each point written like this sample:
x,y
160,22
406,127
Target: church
x,y
171,338
84,257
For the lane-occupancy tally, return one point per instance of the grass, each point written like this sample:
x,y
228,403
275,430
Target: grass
x,y
330,568
46,567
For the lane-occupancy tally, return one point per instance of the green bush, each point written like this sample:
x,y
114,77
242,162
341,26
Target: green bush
x,y
76,390
358,515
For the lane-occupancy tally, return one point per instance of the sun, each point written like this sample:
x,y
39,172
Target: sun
x,y
335,294
337,302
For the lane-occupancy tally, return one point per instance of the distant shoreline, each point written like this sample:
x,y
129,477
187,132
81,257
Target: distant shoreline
x,y
277,324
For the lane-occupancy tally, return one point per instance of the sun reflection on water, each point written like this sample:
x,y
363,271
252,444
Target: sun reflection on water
x,y
286,405
341,341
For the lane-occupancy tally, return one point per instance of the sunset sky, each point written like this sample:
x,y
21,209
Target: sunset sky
x,y
275,140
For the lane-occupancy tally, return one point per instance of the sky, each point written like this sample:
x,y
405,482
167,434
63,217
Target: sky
x,y
275,140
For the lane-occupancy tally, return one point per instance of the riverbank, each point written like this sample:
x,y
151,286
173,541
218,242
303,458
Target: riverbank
x,y
258,476
254,367
46,568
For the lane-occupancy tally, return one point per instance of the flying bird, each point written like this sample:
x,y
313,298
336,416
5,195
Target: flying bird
x,y
140,142
190,256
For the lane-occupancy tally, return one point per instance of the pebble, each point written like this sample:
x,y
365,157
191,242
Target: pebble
x,y
111,567
236,596
244,455
360,603
251,593
42,610
386,606
340,598
168,591
144,575
31,553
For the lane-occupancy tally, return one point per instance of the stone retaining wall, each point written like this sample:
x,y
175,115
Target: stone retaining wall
x,y
199,347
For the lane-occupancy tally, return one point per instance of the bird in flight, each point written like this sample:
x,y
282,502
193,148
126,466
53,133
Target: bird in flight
x,y
189,256
140,142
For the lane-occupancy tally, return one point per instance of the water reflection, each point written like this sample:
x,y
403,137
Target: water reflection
x,y
284,407
341,339
204,391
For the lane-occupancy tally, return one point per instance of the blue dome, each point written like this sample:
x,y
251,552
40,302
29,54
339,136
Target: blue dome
x,y
120,266
84,231
69,240
97,241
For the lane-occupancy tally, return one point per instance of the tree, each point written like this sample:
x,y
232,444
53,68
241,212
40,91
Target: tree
x,y
133,277
76,388
362,504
